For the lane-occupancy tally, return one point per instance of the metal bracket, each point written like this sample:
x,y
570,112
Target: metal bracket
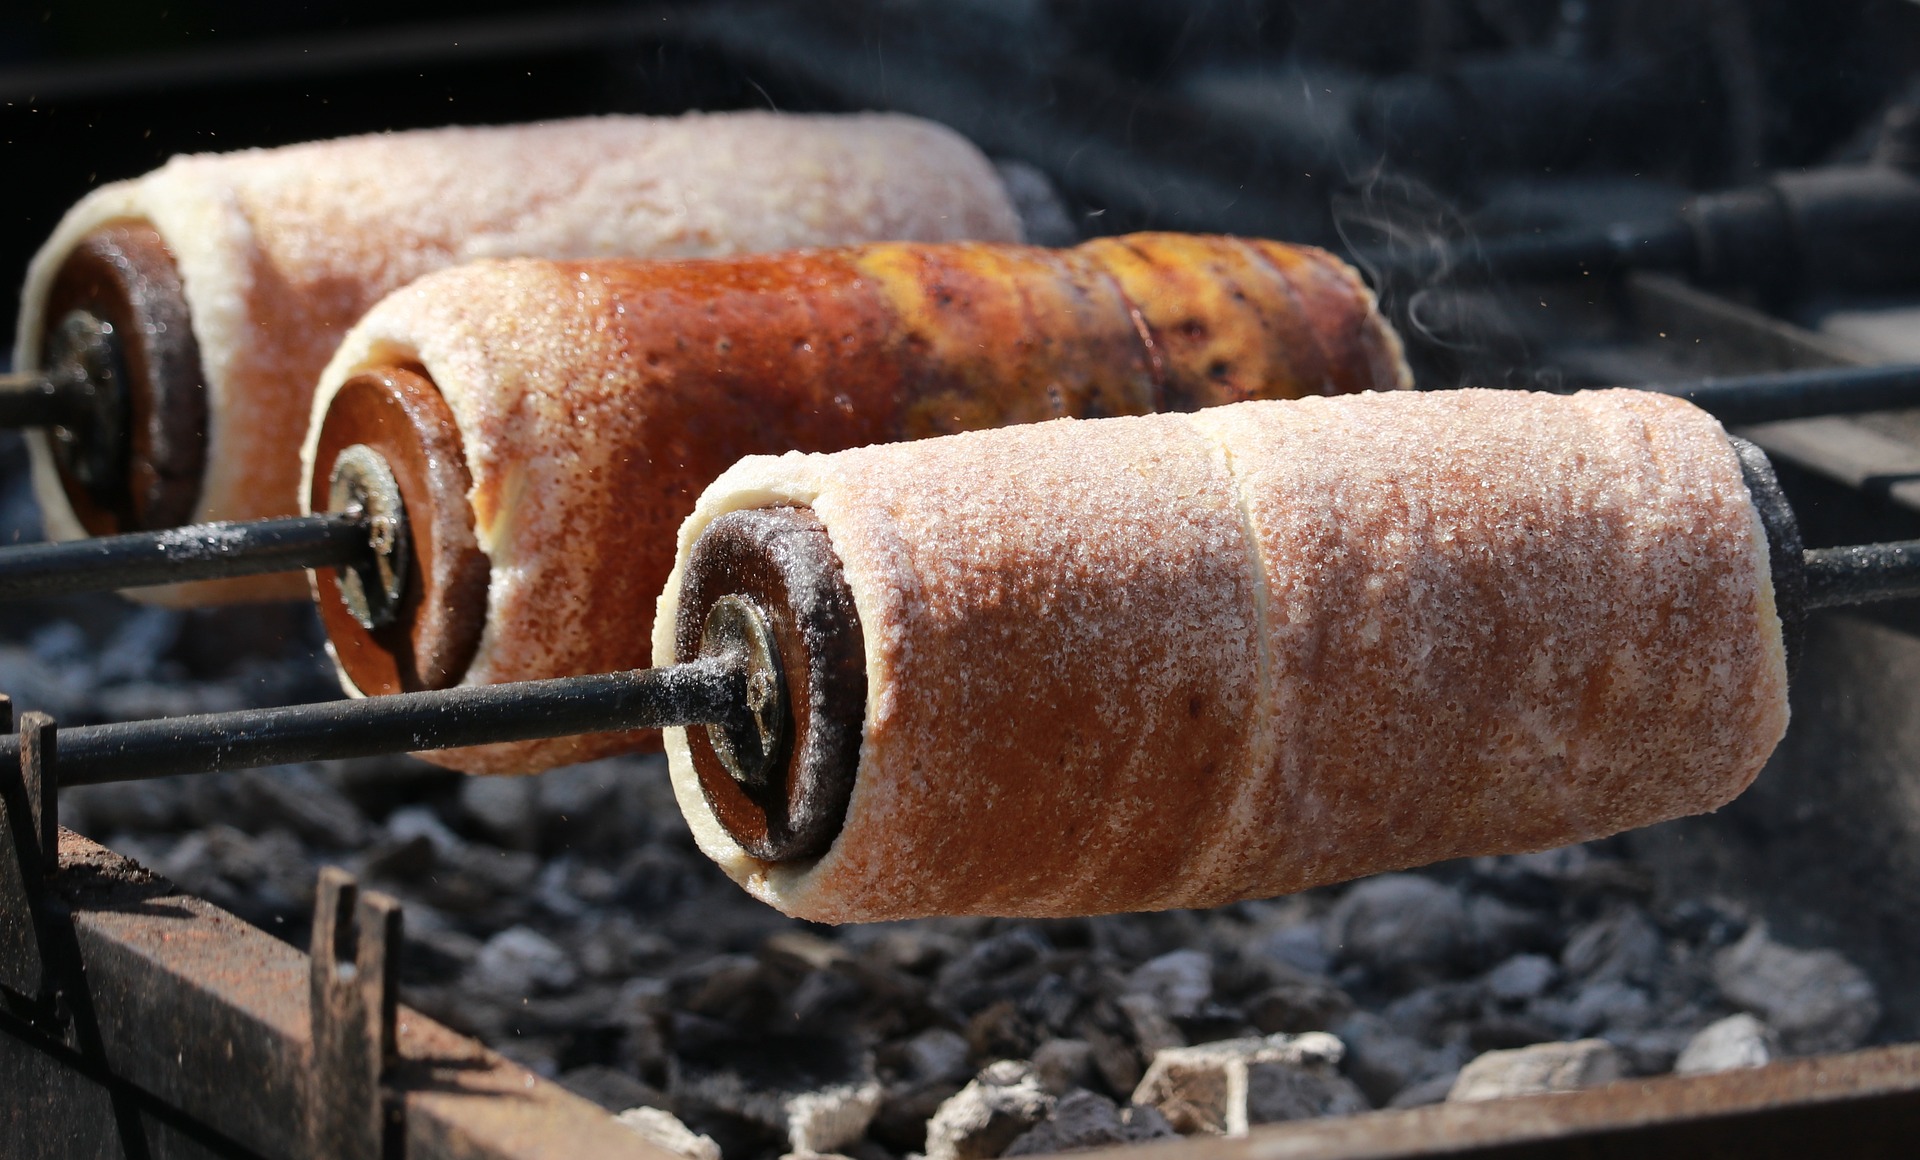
x,y
29,826
351,1113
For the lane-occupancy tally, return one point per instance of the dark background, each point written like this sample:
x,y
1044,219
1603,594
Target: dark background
x,y
1257,116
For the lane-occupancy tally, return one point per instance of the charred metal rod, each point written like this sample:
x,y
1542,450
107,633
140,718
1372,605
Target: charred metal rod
x,y
1862,574
1801,394
196,552
710,690
38,400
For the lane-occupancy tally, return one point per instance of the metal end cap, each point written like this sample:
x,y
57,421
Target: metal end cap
x,y
363,483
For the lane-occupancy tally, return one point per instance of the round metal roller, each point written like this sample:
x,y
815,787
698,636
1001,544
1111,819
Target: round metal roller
x,y
767,584
123,392
407,618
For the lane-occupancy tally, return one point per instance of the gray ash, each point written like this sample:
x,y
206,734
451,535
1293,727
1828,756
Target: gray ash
x,y
569,922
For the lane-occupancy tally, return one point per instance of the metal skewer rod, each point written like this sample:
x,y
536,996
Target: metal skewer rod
x,y
34,399
707,691
352,539
1768,398
196,552
1862,574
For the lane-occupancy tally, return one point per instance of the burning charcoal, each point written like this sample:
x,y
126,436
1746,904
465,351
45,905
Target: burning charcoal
x,y
1549,876
420,822
261,878
917,949
578,790
1383,1061
1300,946
735,989
520,960
654,878
402,860
1063,1064
824,1000
445,871
1609,1005
1000,1030
502,808
1708,923
806,951
613,946
602,804
1277,1093
298,798
987,1115
1502,1031
901,1122
1180,982
141,806
1497,930
1400,925
1117,1063
1623,946
1544,1067
36,684
1428,1091
1152,1030
1431,1012
1816,1000
434,950
1220,1088
1651,1051
173,699
1726,1045
665,1130
555,890
935,1054
1083,1120
611,1088
1521,977
135,649
1302,1004
1052,1003
61,642
818,1092
981,975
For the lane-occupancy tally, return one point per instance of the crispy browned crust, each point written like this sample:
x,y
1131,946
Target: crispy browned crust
x,y
1181,660
281,250
398,414
597,399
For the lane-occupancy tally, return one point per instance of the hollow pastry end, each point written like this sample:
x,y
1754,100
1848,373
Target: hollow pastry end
x,y
780,562
430,637
133,454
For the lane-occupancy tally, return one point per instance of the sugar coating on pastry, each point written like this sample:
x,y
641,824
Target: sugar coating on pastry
x,y
281,250
1414,626
596,400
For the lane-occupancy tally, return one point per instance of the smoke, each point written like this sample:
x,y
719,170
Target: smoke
x,y
1422,256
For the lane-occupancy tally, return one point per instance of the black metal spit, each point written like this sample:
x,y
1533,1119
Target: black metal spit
x,y
352,539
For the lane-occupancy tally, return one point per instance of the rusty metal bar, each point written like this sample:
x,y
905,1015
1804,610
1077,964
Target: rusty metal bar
x,y
354,984
1865,1106
193,1016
